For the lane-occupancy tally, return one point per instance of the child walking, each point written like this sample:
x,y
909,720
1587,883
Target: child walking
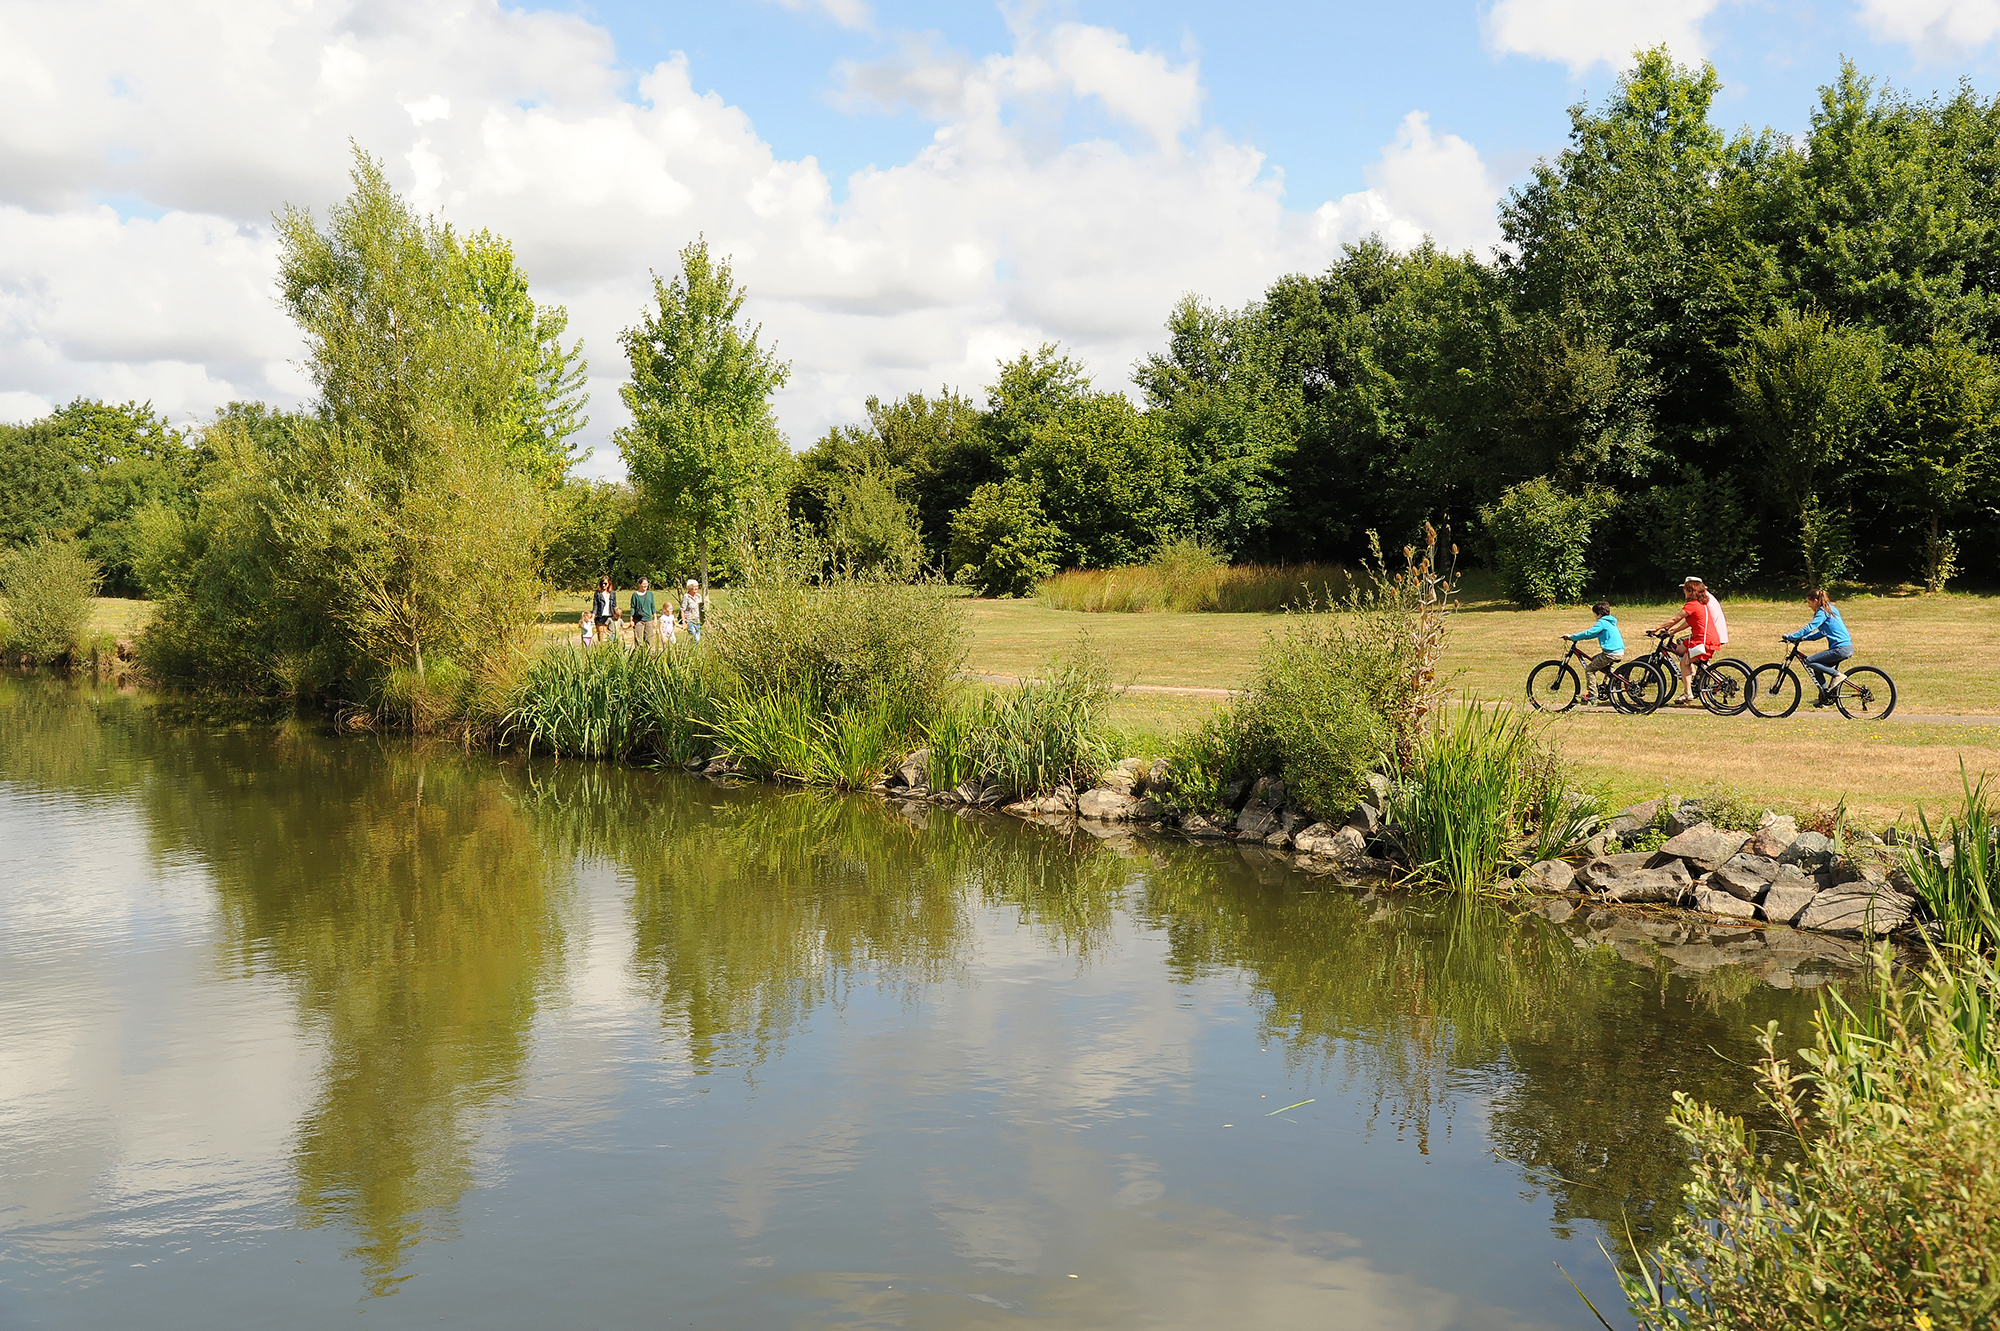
x,y
1610,651
583,628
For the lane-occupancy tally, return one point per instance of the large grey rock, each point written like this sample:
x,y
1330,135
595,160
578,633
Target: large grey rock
x,y
1232,794
1158,781
916,769
1648,885
1860,866
1633,819
1774,833
1784,899
1601,872
1549,876
1737,883
1856,909
1757,866
1270,792
1281,836
1705,843
1257,821
1339,843
1809,850
1364,818
1105,804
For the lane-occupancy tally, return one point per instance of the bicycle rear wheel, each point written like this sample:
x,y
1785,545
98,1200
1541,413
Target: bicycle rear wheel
x,y
1724,688
1865,695
1553,687
1639,688
1668,670
1774,691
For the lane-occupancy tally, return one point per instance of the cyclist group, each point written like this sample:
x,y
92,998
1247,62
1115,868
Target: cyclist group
x,y
1707,630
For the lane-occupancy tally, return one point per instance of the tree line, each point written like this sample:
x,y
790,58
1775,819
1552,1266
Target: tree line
x,y
1756,357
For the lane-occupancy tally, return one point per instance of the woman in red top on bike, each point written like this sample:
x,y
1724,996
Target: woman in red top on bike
x,y
1701,640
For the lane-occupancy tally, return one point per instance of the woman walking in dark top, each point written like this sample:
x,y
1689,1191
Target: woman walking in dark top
x,y
604,609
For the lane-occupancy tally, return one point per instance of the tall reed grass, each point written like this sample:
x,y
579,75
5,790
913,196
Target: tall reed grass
x,y
1484,791
1033,736
1186,577
605,702
1956,871
790,735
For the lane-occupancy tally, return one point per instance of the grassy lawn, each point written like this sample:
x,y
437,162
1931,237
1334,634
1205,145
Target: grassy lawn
x,y
1937,648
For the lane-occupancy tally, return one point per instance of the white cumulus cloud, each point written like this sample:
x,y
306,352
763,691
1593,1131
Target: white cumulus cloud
x,y
143,149
1582,33
1938,29
1424,184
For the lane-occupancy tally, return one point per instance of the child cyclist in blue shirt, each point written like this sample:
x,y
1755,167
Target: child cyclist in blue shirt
x,y
1825,623
1610,649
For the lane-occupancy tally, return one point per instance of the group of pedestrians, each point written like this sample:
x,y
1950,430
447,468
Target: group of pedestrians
x,y
654,620
1707,631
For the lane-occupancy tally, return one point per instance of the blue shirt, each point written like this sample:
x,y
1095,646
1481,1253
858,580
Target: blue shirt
x,y
1826,624
1605,631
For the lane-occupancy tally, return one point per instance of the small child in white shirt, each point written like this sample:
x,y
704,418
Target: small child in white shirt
x,y
669,625
583,626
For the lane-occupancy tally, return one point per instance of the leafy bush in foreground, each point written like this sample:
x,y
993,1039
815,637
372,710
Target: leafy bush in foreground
x,y
1890,1217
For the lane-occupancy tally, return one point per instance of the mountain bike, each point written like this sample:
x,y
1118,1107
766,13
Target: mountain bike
x,y
1635,687
1722,686
1866,694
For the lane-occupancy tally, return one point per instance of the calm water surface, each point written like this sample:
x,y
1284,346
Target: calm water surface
x,y
295,1028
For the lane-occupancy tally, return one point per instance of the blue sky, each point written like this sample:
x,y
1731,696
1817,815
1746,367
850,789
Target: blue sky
x,y
1319,88
910,192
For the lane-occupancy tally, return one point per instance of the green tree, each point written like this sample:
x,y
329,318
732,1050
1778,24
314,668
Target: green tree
x,y
1002,543
1230,419
1101,471
44,483
1032,389
1806,387
1540,538
1946,405
703,445
545,408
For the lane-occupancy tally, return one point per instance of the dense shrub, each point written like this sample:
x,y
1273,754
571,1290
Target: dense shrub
x,y
1002,544
1888,1213
47,587
844,642
1540,538
606,702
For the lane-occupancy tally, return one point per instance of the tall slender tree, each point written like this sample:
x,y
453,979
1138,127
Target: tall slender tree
x,y
703,442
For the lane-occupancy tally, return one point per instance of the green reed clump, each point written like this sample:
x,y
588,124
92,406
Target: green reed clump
x,y
605,702
1033,736
791,735
1888,1212
1483,790
1956,871
1188,577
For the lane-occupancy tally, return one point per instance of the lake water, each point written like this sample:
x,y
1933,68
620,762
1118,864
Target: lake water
x,y
295,1028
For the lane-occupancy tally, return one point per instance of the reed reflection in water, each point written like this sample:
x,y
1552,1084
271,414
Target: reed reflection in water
x,y
837,1041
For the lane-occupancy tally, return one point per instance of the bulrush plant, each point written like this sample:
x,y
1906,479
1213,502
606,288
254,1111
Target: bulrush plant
x,y
607,703
1956,872
1482,791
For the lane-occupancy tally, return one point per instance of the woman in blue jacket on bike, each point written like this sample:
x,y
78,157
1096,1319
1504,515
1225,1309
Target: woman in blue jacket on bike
x,y
1825,623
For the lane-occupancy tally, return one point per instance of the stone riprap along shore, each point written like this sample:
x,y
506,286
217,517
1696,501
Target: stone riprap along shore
x,y
1775,875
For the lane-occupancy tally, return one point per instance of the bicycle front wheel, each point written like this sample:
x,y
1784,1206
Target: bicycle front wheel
x,y
1774,691
1639,689
1553,686
1725,688
1865,695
